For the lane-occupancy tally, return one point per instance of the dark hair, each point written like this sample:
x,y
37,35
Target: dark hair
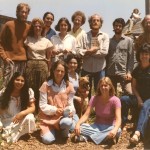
x,y
73,56
57,27
53,68
145,48
91,18
79,13
119,20
24,95
31,30
44,16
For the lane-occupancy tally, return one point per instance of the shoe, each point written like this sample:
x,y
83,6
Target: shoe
x,y
135,139
79,138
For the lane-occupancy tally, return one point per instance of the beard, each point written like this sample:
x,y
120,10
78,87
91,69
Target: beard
x,y
118,31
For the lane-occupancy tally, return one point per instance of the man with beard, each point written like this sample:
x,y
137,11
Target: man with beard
x,y
120,58
12,49
94,47
145,37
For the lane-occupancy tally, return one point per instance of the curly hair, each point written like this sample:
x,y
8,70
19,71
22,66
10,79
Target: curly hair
x,y
34,21
79,13
57,27
24,94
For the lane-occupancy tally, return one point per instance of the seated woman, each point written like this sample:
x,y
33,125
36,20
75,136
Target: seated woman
x,y
108,115
141,89
16,108
56,104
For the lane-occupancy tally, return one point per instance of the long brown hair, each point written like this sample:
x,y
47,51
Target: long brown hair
x,y
107,81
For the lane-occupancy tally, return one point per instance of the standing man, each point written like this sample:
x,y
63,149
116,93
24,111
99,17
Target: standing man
x,y
144,37
120,58
94,47
12,49
78,19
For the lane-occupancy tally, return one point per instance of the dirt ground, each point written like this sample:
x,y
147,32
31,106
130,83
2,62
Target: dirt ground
x,y
33,142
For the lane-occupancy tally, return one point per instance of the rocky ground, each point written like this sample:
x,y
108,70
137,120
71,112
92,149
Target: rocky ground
x,y
33,142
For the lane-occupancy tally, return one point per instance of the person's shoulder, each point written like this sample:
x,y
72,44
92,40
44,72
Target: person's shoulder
x,y
115,98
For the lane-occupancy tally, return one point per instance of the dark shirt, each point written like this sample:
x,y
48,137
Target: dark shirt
x,y
142,77
50,33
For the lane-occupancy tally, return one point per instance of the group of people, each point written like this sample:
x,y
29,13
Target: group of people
x,y
42,68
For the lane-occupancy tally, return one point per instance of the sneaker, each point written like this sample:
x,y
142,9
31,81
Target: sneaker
x,y
80,138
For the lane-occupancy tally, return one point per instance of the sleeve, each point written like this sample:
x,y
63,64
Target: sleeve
x,y
130,59
44,106
104,46
117,102
49,45
31,95
74,51
81,47
3,41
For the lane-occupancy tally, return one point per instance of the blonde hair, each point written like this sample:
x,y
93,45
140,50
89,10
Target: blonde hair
x,y
20,6
105,80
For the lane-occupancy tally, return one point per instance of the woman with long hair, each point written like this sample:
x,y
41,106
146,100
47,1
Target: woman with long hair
x,y
16,108
57,111
108,115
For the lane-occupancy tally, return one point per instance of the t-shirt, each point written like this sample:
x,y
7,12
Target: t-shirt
x,y
142,77
105,112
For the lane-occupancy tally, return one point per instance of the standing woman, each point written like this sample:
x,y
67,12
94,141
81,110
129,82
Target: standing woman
x,y
38,54
56,104
63,42
108,115
16,108
48,19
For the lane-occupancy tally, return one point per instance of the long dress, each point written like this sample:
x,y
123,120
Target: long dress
x,y
12,132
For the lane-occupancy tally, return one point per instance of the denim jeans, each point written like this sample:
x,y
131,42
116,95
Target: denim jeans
x,y
66,124
142,125
97,132
95,76
128,102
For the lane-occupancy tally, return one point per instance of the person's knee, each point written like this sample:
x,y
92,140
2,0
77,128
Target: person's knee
x,y
66,123
48,138
30,117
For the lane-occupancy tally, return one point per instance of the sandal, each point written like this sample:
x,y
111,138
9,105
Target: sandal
x,y
135,138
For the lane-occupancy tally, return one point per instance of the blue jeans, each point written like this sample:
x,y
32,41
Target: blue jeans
x,y
128,102
66,124
97,132
96,76
142,125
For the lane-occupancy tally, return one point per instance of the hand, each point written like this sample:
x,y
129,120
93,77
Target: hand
x,y
77,129
71,114
128,77
112,133
18,117
59,111
8,60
